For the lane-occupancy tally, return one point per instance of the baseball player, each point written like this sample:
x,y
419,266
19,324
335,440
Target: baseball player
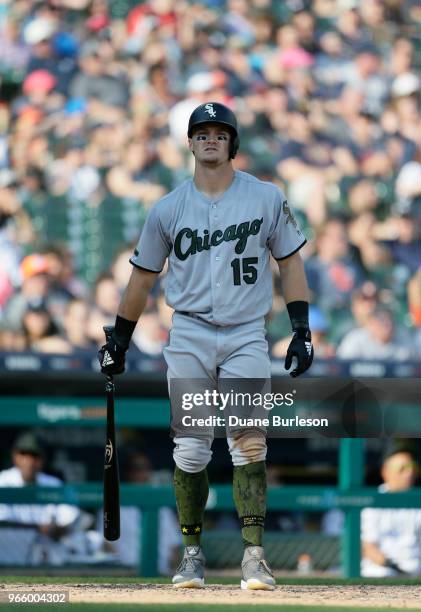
x,y
391,537
217,232
57,530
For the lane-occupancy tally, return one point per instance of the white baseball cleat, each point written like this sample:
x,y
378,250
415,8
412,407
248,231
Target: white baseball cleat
x,y
190,573
257,575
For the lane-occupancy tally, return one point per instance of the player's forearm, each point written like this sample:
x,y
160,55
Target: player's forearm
x,y
293,279
113,354
296,296
372,551
134,298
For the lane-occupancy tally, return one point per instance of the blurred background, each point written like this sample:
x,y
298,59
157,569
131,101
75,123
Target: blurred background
x,y
95,98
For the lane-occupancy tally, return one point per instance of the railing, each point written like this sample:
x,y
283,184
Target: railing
x,y
149,498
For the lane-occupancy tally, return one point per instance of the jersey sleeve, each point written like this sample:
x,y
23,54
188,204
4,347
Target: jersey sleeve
x,y
285,237
154,244
370,520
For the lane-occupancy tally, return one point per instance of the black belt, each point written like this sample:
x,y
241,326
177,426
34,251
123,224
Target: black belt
x,y
192,315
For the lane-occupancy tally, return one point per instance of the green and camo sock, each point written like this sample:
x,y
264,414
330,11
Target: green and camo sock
x,y
249,488
191,494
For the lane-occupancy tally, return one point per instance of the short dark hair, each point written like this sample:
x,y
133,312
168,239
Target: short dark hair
x,y
400,446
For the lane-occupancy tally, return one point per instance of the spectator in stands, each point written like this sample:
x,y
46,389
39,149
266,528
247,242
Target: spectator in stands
x,y
366,205
48,534
62,275
405,101
138,470
331,64
41,333
158,96
414,298
134,178
64,285
15,232
106,300
375,258
38,89
332,273
305,162
364,300
75,325
366,75
97,83
34,290
14,52
405,245
350,30
401,233
391,537
401,57
38,36
414,303
171,169
377,339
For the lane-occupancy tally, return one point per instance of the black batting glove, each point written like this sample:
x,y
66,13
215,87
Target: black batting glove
x,y
301,348
112,356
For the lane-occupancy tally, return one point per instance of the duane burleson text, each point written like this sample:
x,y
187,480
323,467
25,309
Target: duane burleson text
x,y
235,421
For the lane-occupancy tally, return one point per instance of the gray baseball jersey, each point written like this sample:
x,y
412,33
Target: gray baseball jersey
x,y
218,249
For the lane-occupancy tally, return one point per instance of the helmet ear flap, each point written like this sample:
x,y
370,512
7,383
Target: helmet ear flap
x,y
235,144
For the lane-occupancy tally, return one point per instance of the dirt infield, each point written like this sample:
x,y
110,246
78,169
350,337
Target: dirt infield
x,y
330,596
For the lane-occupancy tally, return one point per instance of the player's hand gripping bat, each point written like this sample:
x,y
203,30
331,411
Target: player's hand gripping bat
x,y
111,475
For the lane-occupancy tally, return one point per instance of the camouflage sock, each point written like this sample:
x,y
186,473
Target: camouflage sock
x,y
249,488
191,494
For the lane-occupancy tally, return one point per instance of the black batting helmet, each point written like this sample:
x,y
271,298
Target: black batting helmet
x,y
214,112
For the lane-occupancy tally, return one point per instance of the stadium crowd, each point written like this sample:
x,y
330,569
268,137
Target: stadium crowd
x,y
94,102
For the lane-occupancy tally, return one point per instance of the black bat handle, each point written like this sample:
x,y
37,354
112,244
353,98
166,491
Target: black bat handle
x,y
108,330
109,385
111,472
109,388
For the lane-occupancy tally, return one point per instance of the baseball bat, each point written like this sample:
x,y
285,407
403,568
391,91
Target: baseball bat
x,y
111,490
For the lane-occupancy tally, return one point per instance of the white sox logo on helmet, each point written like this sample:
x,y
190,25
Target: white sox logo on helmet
x,y
209,109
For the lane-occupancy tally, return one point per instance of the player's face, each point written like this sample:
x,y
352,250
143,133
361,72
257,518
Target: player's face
x,y
400,471
28,464
210,144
